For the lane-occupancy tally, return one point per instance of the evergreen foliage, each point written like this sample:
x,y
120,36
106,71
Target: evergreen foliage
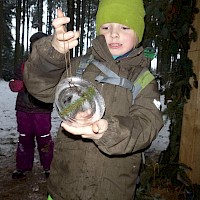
x,y
17,13
7,39
169,30
76,105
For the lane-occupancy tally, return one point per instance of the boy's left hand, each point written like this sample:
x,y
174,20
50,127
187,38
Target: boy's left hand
x,y
93,131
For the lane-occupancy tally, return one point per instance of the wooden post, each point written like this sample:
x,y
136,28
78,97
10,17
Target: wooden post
x,y
190,136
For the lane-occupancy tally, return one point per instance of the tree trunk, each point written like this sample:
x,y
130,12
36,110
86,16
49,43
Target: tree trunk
x,y
40,14
27,24
17,40
70,13
49,18
88,25
1,35
23,25
82,26
78,18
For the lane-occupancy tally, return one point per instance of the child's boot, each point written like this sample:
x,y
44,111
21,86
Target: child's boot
x,y
18,174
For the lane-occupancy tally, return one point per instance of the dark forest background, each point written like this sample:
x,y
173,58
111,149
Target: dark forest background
x,y
20,15
168,34
168,31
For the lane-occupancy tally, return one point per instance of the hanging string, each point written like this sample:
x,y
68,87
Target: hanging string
x,y
67,59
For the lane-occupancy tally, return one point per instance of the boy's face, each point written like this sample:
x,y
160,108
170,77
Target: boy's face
x,y
119,38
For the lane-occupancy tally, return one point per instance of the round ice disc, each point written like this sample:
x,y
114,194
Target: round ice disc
x,y
78,102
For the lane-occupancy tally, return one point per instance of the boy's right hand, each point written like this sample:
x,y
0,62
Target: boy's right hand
x,y
94,131
63,40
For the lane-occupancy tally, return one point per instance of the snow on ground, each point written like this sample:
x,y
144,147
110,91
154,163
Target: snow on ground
x,y
162,140
9,135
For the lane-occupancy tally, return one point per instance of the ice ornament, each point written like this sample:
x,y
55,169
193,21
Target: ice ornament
x,y
78,102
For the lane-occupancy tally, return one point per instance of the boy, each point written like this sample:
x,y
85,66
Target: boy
x,y
100,161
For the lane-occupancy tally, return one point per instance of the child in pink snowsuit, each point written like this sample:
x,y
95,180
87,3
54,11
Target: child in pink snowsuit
x,y
33,122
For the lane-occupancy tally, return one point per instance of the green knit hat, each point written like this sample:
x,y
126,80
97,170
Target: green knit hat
x,y
127,12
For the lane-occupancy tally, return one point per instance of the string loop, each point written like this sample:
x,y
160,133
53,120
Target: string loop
x,y
67,59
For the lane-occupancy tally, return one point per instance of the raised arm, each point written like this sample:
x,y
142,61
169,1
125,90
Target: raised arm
x,y
63,40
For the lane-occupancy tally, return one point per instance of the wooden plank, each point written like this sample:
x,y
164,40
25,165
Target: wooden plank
x,y
190,136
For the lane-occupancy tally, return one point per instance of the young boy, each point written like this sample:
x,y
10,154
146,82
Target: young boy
x,y
100,161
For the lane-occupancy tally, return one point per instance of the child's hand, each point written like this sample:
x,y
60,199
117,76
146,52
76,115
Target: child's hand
x,y
63,40
94,131
16,85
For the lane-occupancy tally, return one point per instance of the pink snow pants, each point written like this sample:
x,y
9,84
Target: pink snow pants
x,y
34,128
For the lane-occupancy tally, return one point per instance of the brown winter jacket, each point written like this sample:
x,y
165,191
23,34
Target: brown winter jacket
x,y
104,169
